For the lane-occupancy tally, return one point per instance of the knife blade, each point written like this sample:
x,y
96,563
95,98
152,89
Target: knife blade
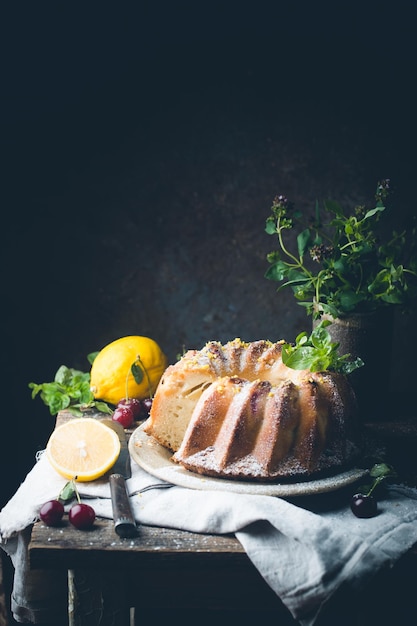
x,y
124,520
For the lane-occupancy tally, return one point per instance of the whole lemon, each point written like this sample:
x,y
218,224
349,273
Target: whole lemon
x,y
131,367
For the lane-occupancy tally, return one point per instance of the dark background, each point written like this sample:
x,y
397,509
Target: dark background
x,y
142,150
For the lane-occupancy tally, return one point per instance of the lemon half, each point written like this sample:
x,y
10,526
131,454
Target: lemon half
x,y
82,449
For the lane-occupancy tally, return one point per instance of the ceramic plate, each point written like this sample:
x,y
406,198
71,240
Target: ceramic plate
x,y
156,460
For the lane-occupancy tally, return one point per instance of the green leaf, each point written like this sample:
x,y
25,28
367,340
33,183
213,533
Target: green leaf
x,y
137,372
91,357
76,411
348,367
103,408
303,239
320,337
301,339
63,375
67,493
340,265
381,472
372,212
277,271
349,300
270,226
382,469
300,359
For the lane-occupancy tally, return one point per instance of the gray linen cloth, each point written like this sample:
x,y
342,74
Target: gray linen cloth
x,y
304,556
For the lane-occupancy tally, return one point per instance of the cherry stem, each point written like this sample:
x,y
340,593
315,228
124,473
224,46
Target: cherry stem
x,y
74,486
376,482
144,370
127,383
146,374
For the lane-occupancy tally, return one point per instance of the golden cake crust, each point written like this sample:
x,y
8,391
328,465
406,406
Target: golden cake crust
x,y
237,411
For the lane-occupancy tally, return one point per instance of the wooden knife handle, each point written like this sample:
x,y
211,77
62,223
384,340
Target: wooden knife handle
x,y
124,521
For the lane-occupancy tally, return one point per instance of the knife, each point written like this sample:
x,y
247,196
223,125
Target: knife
x,y
124,521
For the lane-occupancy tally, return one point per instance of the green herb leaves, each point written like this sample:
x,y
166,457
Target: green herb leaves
x,y
318,353
70,390
338,263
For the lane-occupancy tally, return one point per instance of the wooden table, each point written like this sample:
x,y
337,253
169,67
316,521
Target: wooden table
x,y
166,573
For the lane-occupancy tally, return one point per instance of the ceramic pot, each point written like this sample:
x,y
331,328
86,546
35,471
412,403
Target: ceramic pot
x,y
370,337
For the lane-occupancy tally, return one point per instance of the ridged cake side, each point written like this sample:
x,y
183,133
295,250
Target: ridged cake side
x,y
249,429
236,410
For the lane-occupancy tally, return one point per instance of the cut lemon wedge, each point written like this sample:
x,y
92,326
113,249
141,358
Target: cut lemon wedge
x,y
82,449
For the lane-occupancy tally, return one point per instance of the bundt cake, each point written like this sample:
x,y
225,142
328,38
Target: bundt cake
x,y
237,411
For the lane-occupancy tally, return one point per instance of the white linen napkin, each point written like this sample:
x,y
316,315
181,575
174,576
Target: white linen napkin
x,y
304,556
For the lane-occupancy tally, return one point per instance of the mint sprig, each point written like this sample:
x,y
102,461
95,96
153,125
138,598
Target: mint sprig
x,y
70,390
318,353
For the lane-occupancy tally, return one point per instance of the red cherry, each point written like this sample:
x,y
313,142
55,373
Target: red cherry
x,y
364,506
82,516
146,407
134,404
123,415
51,512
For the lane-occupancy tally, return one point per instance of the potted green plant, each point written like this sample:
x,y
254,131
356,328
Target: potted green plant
x,y
346,266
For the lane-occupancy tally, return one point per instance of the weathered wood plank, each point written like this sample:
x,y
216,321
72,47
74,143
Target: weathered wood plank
x,y
70,548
